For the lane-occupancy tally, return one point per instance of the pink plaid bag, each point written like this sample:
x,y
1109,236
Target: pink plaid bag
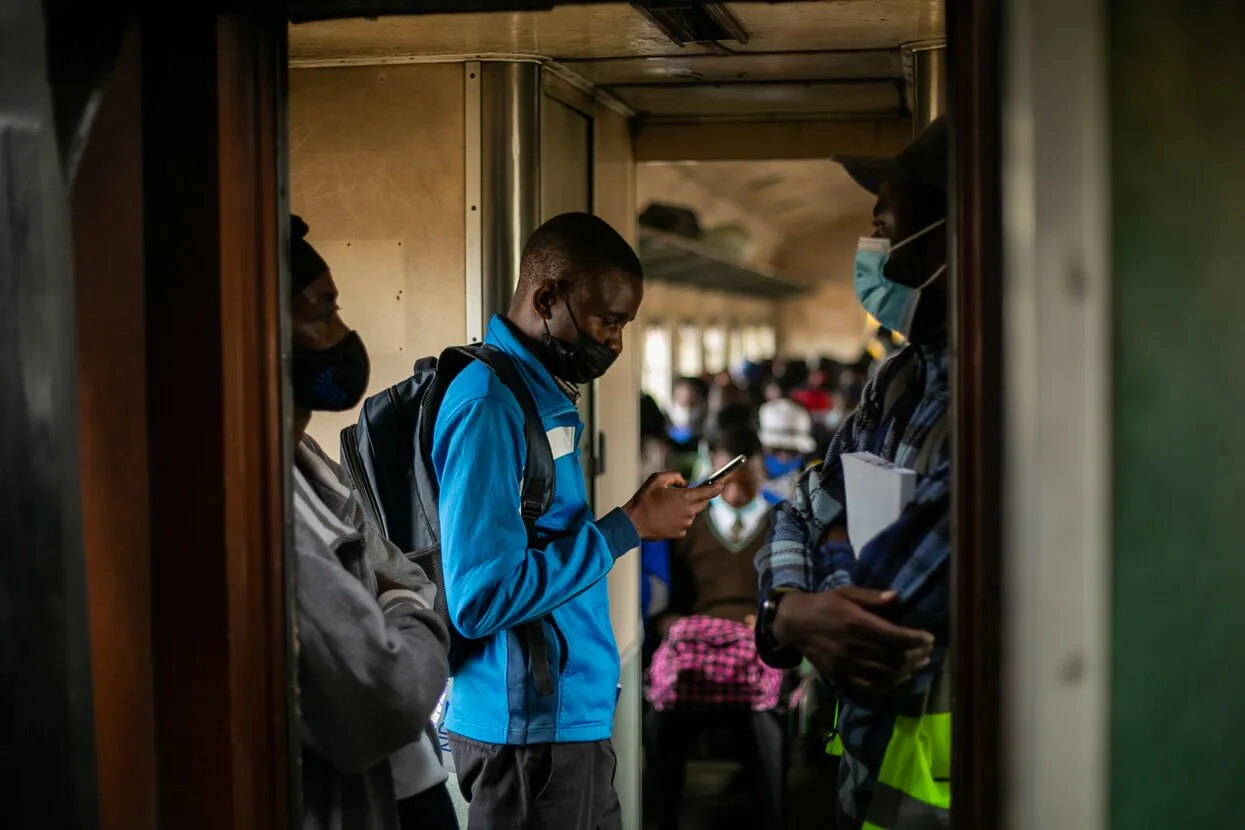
x,y
711,663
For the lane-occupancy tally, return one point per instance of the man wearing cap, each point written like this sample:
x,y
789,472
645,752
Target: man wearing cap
x,y
875,621
787,438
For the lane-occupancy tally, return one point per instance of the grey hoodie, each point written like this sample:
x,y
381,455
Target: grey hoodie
x,y
371,670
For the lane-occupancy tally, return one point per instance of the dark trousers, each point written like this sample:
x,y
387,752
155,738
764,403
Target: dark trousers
x,y
667,742
433,809
537,787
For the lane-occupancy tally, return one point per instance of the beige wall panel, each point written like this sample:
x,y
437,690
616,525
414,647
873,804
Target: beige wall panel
x,y
828,322
376,169
770,139
565,156
618,392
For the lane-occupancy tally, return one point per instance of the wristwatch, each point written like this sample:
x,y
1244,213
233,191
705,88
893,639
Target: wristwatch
x,y
769,613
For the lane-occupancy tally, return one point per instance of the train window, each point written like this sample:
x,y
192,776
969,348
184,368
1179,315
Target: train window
x,y
759,342
735,347
657,372
691,362
715,349
769,342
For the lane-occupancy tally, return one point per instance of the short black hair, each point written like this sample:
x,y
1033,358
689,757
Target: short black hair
x,y
652,420
731,418
574,246
736,441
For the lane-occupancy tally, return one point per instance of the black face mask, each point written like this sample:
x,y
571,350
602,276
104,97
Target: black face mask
x,y
582,362
333,379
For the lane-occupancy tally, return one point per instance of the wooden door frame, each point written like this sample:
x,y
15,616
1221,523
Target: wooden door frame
x,y
974,38
214,103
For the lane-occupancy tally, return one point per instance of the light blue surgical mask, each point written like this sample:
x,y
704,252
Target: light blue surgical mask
x,y
893,305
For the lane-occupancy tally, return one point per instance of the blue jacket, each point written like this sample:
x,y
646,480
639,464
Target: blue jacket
x,y
495,581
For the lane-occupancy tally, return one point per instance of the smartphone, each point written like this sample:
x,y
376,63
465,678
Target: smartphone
x,y
717,475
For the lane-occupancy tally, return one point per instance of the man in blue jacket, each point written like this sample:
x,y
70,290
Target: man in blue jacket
x,y
523,759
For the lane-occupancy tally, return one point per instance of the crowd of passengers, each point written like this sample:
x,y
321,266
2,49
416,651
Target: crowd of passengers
x,y
745,578
699,593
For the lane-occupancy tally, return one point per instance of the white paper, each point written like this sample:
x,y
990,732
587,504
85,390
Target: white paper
x,y
877,492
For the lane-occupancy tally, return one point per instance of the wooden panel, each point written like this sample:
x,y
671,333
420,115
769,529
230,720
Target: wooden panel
x,y
218,461
769,66
974,58
566,32
566,159
770,139
46,735
829,99
614,30
376,163
839,24
374,269
112,423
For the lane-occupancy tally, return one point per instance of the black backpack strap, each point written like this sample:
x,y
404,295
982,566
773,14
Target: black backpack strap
x,y
538,472
536,494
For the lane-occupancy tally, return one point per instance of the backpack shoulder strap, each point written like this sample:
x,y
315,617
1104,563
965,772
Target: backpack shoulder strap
x,y
538,472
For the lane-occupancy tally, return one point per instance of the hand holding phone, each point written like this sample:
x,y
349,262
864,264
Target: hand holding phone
x,y
665,507
723,472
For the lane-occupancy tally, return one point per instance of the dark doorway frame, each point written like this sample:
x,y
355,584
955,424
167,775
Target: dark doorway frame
x,y
974,43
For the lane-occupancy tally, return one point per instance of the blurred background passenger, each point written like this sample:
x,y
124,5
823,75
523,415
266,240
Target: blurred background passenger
x,y
787,438
705,673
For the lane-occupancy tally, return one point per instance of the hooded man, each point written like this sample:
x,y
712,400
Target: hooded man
x,y
371,653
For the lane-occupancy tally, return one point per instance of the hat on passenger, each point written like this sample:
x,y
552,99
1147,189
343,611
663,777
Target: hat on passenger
x,y
785,425
924,159
306,264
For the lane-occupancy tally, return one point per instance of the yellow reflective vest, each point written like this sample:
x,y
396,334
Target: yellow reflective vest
x,y
913,790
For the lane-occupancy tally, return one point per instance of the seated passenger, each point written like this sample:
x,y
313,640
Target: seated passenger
x,y
787,436
707,663
531,736
371,652
739,415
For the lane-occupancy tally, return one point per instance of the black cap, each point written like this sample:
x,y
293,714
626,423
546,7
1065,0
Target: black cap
x,y
925,160
306,265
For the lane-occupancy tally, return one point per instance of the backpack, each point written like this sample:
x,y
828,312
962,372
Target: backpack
x,y
388,455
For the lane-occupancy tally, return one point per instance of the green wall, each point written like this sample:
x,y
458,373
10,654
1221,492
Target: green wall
x,y
1177,74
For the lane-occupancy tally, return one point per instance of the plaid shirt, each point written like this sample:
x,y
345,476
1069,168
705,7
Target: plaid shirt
x,y
911,557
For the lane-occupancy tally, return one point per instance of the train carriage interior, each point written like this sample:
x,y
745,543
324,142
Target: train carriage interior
x,y
149,165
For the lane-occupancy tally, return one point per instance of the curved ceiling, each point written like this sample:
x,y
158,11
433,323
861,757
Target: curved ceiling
x,y
795,212
794,197
617,30
832,59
